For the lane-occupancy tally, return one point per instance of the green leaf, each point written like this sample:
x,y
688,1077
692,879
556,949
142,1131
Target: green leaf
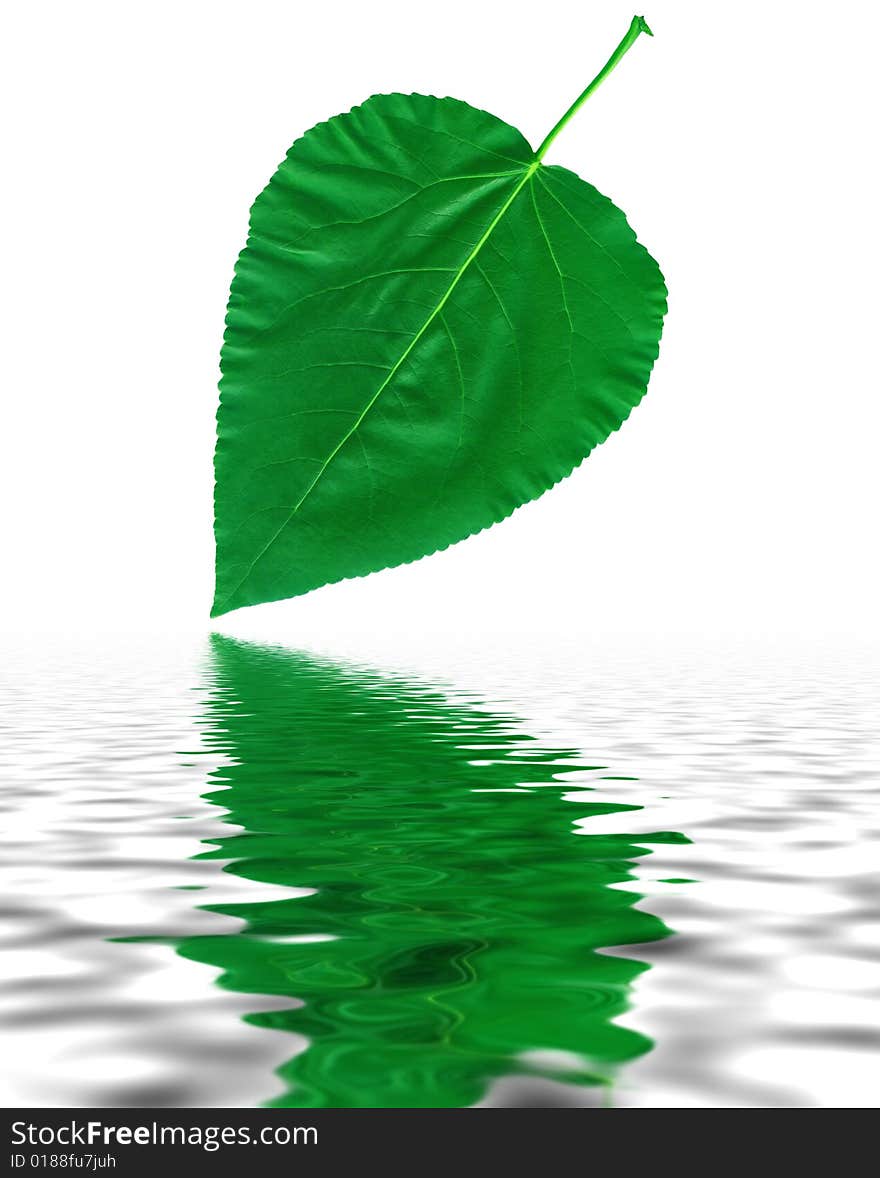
x,y
427,328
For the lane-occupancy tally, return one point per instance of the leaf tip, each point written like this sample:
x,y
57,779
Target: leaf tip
x,y
642,25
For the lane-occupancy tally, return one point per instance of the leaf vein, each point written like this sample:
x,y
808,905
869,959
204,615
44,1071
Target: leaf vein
x,y
526,176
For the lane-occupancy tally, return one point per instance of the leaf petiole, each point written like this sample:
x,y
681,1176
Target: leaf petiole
x,y
637,26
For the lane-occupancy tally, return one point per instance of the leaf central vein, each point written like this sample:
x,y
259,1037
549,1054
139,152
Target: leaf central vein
x,y
527,174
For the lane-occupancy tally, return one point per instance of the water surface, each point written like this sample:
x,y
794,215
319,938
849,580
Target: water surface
x,y
251,875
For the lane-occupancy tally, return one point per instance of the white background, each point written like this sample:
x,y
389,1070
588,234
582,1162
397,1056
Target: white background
x,y
741,498
738,504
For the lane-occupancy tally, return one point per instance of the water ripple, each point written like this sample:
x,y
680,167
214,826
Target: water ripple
x,y
276,878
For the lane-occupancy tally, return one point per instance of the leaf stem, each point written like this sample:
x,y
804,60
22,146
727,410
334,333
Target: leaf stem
x,y
638,25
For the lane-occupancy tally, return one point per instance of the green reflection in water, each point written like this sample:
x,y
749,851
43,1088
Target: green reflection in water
x,y
467,923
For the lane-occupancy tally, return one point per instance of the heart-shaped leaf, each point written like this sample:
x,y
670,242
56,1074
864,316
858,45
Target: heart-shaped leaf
x,y
428,328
